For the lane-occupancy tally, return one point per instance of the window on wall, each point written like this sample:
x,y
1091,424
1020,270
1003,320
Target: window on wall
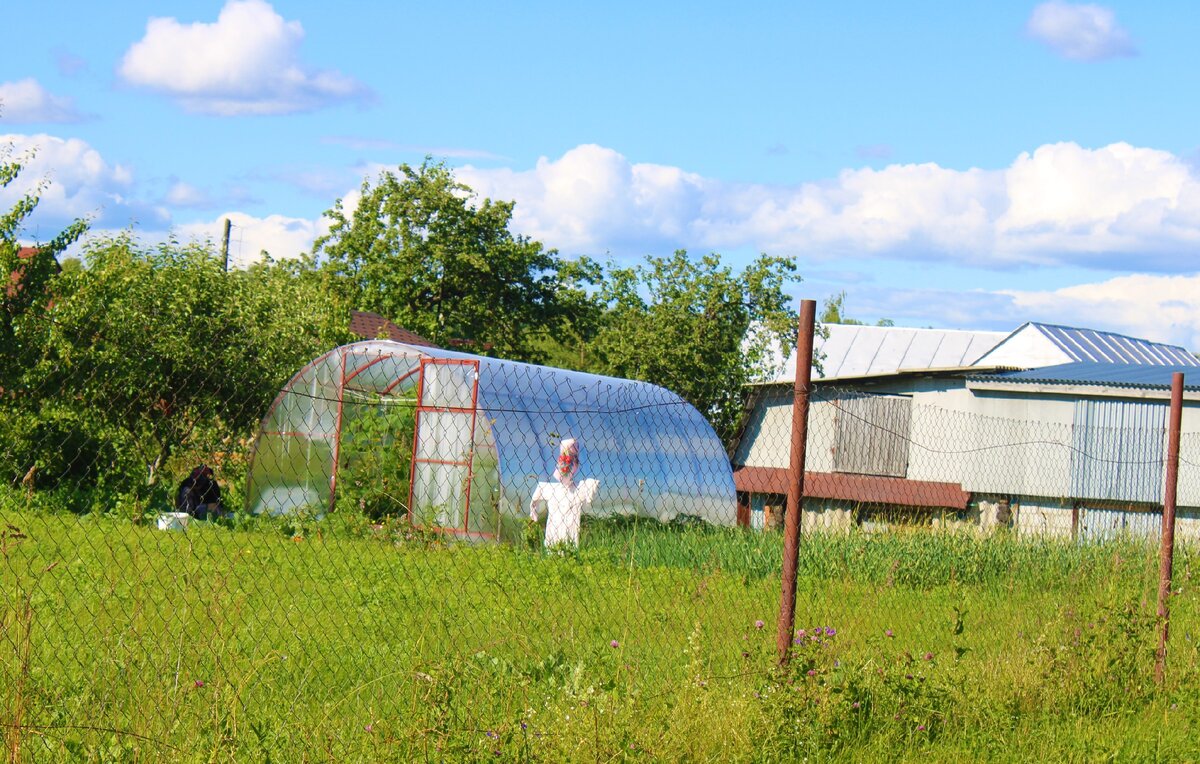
x,y
872,434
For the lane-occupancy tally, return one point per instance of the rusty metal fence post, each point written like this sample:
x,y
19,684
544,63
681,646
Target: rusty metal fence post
x,y
1167,549
795,495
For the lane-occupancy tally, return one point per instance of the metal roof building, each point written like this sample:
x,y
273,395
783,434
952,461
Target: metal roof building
x,y
1035,345
848,351
1090,373
1061,427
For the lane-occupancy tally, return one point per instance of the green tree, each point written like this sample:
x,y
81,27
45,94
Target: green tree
x,y
420,248
696,327
160,350
25,275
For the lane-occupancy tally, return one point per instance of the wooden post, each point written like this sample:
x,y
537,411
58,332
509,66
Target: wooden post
x,y
1166,556
225,245
795,496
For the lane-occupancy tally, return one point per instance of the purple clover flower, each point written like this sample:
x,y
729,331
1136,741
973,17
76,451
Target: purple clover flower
x,y
198,683
928,656
830,631
920,728
614,643
759,624
889,634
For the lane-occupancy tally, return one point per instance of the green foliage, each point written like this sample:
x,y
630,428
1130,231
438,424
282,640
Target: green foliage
x,y
375,457
420,249
351,641
696,327
24,280
156,352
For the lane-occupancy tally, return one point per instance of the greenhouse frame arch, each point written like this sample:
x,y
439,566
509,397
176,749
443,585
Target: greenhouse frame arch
x,y
459,442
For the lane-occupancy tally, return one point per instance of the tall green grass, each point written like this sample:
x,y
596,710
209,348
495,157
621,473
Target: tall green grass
x,y
343,641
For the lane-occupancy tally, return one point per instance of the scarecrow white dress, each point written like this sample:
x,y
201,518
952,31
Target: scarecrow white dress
x,y
564,499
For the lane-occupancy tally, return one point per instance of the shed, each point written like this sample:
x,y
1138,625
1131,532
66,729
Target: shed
x,y
979,443
458,442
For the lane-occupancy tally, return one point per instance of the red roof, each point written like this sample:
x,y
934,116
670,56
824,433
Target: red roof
x,y
372,326
867,489
14,279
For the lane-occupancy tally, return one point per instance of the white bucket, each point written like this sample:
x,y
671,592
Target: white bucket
x,y
173,521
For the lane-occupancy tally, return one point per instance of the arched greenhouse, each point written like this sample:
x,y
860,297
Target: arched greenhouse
x,y
459,442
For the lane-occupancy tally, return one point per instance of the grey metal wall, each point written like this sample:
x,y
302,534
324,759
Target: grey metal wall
x,y
1118,449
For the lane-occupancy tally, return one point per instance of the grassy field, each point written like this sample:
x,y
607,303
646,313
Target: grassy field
x,y
344,642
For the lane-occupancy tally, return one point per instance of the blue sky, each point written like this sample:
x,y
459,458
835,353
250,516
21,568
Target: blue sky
x,y
969,165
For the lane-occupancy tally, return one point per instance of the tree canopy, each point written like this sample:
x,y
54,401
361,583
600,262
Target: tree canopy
x,y
697,327
145,352
421,249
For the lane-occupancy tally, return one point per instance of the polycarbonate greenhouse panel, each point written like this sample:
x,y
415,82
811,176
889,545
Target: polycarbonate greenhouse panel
x,y
480,453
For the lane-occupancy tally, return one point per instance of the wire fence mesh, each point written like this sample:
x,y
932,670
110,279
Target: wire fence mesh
x,y
404,552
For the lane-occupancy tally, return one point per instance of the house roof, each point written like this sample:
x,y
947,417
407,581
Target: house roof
x,y
1050,344
371,326
1125,375
14,285
867,351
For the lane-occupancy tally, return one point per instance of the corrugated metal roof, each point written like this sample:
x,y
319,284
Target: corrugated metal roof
x,y
862,351
1109,347
1103,374
870,489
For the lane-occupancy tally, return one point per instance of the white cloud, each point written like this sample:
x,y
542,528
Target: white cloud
x,y
1118,206
184,194
75,181
280,236
25,101
1163,308
247,62
1156,307
1080,32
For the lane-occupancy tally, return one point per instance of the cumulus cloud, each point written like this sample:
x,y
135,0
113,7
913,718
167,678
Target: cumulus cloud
x,y
1157,307
25,101
1118,206
279,236
73,180
246,62
1163,308
1080,32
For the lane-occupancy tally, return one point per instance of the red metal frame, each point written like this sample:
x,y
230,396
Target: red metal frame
x,y
469,463
365,366
399,379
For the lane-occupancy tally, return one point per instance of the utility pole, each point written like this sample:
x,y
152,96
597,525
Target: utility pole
x,y
225,245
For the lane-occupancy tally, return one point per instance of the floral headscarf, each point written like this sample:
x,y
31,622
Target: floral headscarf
x,y
568,460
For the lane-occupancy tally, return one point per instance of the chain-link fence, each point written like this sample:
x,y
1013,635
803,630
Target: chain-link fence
x,y
403,553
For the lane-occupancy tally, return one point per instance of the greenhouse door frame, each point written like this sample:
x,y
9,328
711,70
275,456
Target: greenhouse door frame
x,y
424,408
